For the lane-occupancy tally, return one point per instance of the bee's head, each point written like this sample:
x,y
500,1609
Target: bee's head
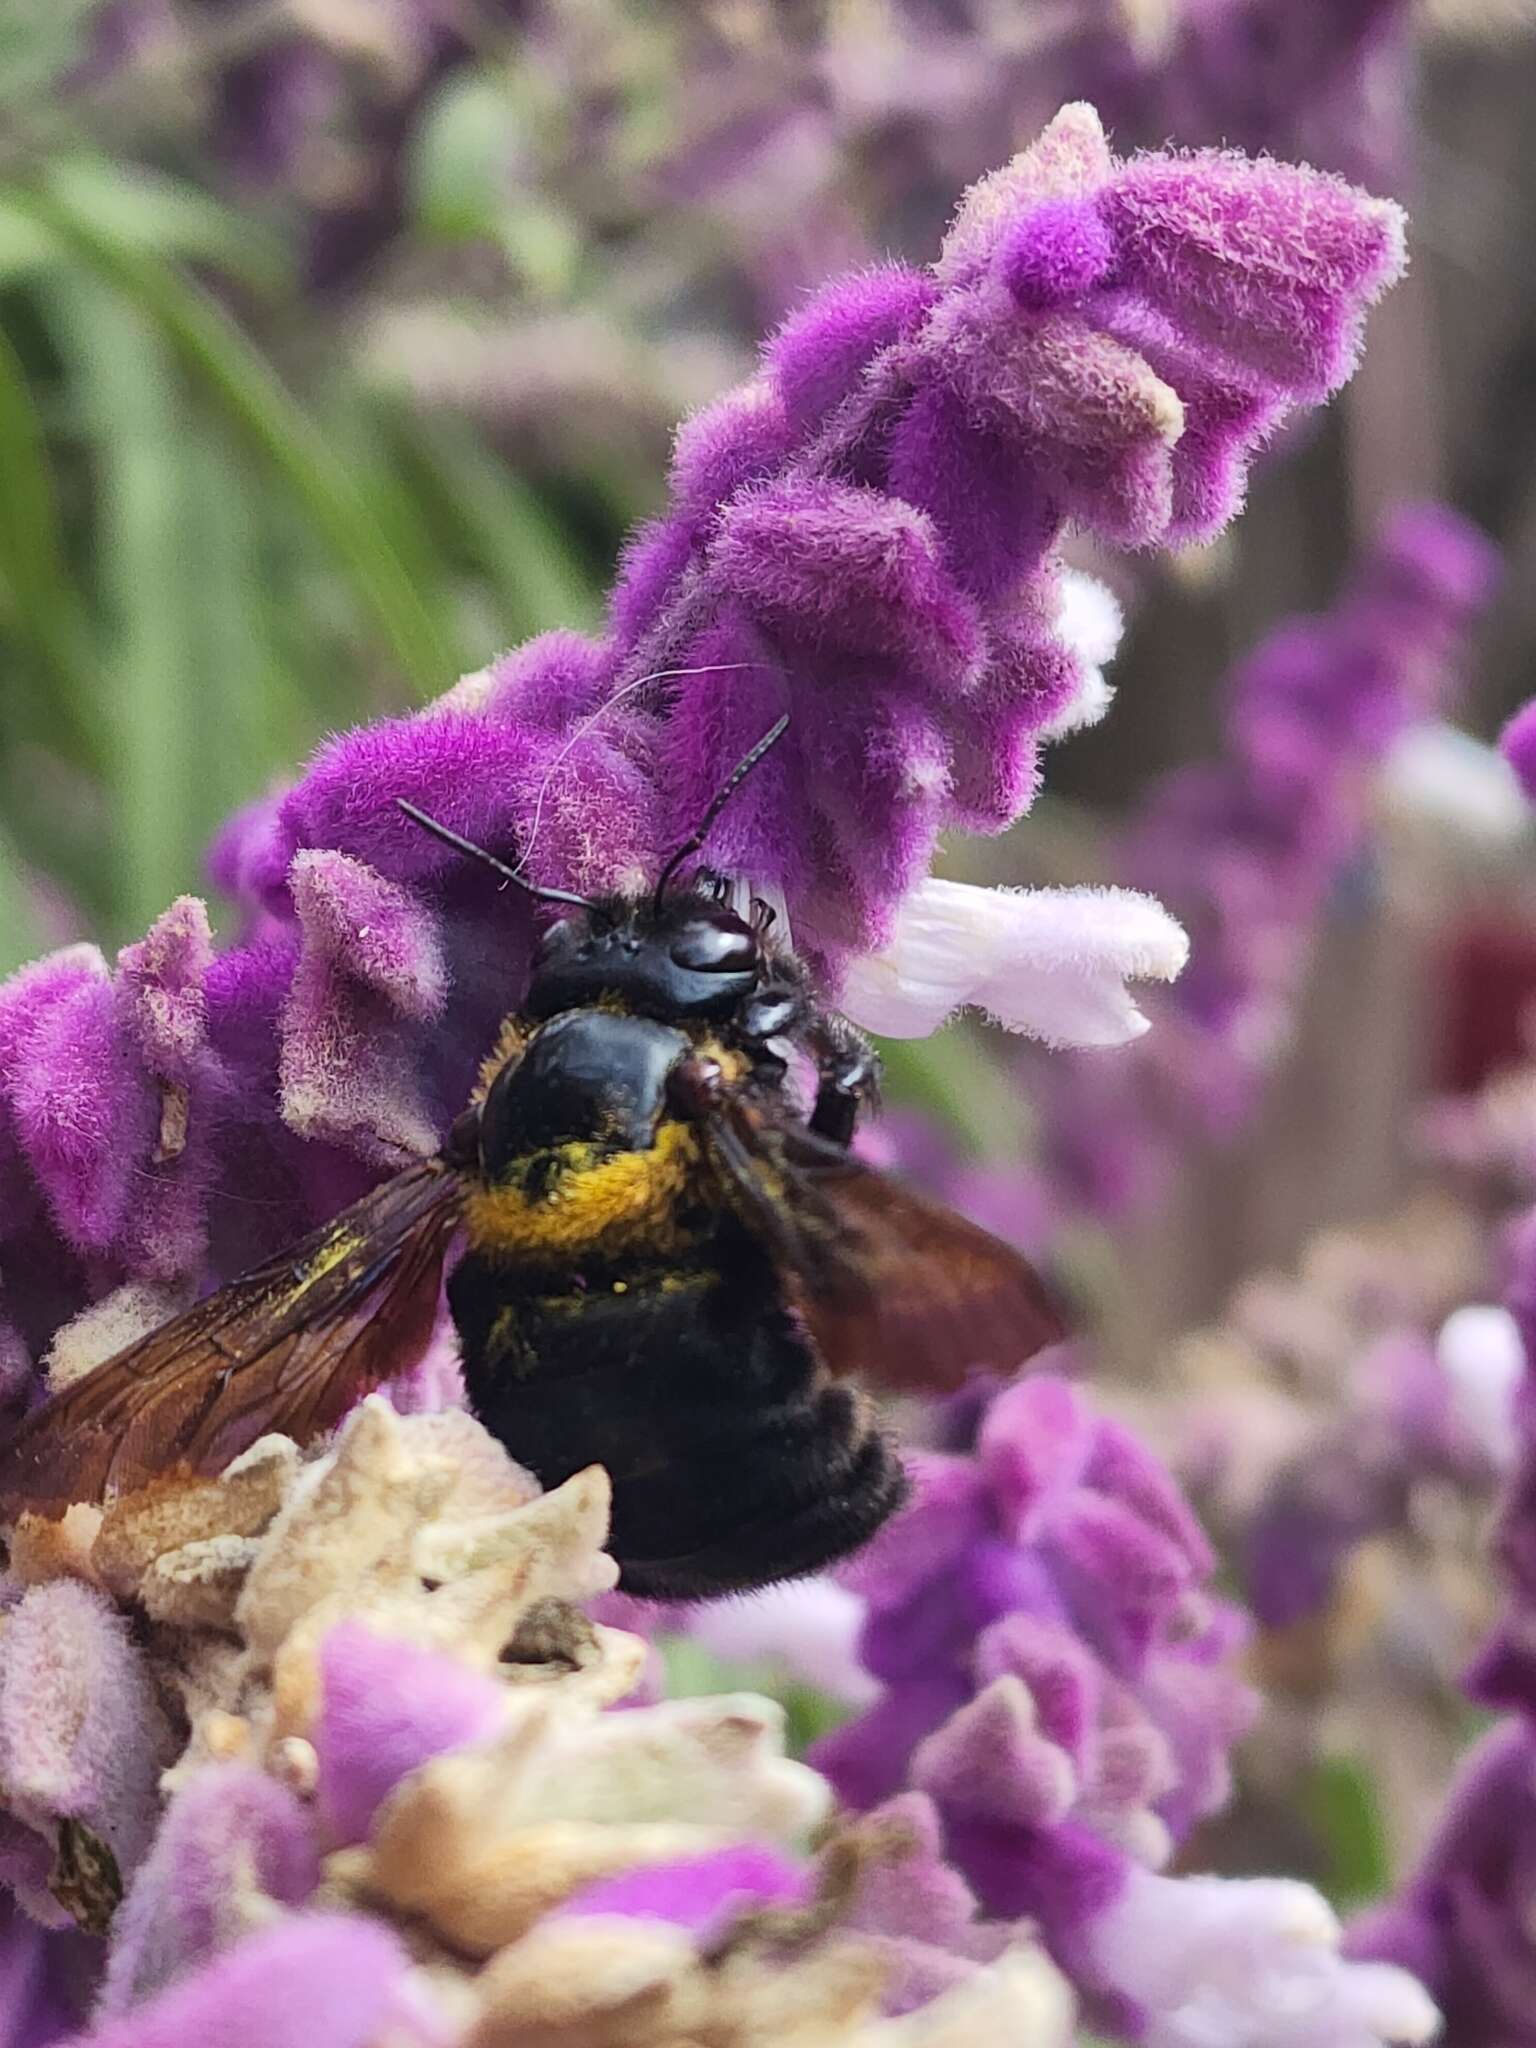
x,y
679,955
684,956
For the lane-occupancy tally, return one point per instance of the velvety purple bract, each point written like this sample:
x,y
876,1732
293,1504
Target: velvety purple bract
x,y
233,1844
1518,745
313,1981
385,1708
702,1894
46,1980
82,1737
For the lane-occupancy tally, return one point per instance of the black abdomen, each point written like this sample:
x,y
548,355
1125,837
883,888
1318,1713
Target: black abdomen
x,y
734,1461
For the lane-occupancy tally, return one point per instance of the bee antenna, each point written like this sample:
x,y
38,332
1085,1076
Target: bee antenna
x,y
717,804
479,853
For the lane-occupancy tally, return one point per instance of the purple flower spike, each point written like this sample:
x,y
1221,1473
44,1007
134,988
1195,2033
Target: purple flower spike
x,y
385,1708
867,535
1008,394
1462,1923
1059,1687
1057,1677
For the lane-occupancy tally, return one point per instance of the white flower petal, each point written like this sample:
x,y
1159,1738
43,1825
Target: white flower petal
x,y
1480,1352
1089,620
1088,617
1438,775
1049,962
1249,1963
810,1626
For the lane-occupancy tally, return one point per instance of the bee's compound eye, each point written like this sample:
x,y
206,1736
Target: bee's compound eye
x,y
716,945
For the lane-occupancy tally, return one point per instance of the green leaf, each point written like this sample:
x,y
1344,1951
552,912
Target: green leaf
x,y
27,245
537,579
220,359
146,211
151,708
38,45
21,931
693,1672
47,610
809,1715
951,1078
1342,1803
459,171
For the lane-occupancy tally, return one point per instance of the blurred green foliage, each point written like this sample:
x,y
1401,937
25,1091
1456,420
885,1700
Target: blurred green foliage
x,y
693,1672
202,567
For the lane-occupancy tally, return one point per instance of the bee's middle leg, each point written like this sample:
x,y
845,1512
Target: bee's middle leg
x,y
848,1069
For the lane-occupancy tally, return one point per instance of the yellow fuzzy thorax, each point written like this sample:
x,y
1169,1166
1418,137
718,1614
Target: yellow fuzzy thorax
x,y
510,1043
594,1205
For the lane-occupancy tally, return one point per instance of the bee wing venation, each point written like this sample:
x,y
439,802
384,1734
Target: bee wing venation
x,y
287,1347
894,1288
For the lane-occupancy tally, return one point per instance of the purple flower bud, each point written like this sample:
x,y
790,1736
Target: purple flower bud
x,y
819,355
370,981
83,1108
1056,253
1263,263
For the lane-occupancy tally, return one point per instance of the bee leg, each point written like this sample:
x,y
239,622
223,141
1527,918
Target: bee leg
x,y
849,1076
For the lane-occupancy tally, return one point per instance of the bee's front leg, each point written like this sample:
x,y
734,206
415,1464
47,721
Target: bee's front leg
x,y
848,1068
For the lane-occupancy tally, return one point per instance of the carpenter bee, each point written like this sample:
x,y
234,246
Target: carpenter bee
x,y
666,1268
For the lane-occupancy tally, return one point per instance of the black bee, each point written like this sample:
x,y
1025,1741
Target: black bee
x,y
666,1269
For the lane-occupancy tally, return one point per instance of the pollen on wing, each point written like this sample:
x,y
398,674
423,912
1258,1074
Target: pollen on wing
x,y
594,1205
335,1252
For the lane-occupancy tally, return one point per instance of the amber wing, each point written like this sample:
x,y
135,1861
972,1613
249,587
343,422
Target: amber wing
x,y
894,1288
289,1346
